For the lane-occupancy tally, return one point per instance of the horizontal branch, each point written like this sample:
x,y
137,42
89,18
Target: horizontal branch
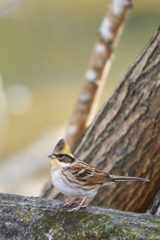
x,y
37,218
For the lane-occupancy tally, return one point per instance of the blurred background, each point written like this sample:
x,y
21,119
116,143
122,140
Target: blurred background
x,y
45,47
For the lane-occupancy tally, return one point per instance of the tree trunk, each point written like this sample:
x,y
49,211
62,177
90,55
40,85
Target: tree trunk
x,y
124,139
155,206
37,218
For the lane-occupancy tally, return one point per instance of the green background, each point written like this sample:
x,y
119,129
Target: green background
x,y
46,46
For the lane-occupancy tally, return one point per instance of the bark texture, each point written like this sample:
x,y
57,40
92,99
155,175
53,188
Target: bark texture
x,y
124,139
37,218
155,206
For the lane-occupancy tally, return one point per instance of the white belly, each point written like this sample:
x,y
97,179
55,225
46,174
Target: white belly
x,y
68,189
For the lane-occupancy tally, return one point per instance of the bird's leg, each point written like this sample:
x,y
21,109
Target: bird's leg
x,y
70,202
80,205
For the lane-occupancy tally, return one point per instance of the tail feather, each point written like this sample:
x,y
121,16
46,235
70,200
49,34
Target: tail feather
x,y
123,178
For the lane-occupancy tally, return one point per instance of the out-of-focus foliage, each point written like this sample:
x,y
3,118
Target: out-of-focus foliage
x,y
46,45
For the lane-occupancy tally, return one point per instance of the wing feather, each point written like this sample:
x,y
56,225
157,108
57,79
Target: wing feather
x,y
84,172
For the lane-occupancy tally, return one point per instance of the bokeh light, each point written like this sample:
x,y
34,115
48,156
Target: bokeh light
x,y
19,99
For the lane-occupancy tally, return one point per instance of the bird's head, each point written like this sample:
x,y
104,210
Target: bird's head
x,y
61,155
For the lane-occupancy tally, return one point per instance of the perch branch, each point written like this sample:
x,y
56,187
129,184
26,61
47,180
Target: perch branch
x,y
37,218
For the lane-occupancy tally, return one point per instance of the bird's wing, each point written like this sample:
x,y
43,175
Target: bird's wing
x,y
83,172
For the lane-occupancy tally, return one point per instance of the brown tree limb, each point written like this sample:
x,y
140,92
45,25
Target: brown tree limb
x,y
124,139
97,69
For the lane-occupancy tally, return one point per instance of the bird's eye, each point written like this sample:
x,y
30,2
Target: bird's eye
x,y
61,155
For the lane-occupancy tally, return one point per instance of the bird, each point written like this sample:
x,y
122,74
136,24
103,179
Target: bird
x,y
76,179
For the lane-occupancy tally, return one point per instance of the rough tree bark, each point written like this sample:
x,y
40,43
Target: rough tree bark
x,y
124,139
155,206
37,218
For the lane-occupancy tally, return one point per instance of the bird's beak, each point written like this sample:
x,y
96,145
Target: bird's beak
x,y
52,156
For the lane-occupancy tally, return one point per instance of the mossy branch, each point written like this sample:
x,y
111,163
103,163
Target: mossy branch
x,y
37,218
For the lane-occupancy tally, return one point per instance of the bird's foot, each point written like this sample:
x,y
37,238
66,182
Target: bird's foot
x,y
73,200
77,208
80,205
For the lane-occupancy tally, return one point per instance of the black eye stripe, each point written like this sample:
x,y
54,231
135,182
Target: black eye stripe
x,y
64,158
